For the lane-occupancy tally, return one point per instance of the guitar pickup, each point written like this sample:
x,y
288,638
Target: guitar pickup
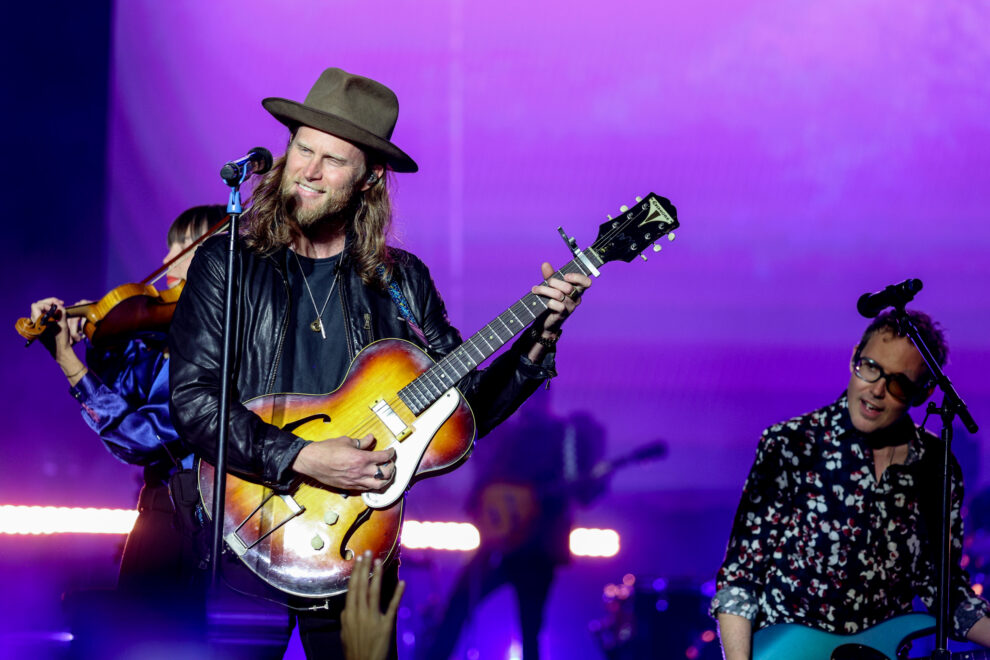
x,y
391,419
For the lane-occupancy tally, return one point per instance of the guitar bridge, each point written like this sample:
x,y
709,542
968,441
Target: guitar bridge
x,y
239,546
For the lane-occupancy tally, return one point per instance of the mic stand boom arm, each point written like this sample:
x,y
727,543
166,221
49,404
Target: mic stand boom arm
x,y
952,405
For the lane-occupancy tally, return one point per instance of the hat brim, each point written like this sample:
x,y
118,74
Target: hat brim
x,y
293,114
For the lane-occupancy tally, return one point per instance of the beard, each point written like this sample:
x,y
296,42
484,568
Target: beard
x,y
336,205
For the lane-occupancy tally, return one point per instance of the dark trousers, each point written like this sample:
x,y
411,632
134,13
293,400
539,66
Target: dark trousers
x,y
163,606
250,620
157,608
530,575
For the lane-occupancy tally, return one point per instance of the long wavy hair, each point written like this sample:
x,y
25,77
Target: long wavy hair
x,y
367,231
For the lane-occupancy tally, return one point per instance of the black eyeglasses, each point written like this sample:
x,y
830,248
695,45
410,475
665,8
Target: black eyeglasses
x,y
900,386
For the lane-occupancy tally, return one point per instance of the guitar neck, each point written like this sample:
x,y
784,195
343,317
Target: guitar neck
x,y
970,655
430,386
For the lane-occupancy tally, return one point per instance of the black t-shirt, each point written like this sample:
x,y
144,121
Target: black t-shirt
x,y
311,364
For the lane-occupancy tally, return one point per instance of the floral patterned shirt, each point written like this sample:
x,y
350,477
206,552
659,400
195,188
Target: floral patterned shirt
x,y
818,540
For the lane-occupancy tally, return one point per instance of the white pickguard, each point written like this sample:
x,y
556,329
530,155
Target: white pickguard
x,y
409,452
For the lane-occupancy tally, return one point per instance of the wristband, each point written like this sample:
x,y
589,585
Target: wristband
x,y
537,336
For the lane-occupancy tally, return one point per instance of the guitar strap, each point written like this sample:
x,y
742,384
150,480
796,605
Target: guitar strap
x,y
400,301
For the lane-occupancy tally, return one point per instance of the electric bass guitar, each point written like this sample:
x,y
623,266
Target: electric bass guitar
x,y
304,541
792,641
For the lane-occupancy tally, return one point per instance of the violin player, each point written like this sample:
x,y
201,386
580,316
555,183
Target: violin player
x,y
123,394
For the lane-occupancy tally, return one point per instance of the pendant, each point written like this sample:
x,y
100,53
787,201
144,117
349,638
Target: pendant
x,y
316,326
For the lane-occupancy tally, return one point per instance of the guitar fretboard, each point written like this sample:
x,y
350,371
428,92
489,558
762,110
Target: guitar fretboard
x,y
429,386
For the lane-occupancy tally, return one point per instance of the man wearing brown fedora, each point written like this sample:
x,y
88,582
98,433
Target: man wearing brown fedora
x,y
317,283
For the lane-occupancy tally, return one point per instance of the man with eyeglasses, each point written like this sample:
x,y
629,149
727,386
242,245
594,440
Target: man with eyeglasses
x,y
838,522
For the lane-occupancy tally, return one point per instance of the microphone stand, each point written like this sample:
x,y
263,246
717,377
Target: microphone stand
x,y
952,405
234,210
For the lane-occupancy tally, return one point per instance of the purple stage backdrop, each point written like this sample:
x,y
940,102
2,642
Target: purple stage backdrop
x,y
815,151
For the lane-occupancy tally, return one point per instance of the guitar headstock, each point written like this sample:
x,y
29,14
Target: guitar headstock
x,y
627,235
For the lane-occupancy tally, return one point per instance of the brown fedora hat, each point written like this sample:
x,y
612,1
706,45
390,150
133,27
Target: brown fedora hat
x,y
354,108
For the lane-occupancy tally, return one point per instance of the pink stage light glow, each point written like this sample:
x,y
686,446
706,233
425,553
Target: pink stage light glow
x,y
591,542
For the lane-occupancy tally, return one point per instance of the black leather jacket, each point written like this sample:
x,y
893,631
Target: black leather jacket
x,y
266,452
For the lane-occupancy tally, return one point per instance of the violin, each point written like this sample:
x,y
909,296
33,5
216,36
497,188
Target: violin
x,y
126,309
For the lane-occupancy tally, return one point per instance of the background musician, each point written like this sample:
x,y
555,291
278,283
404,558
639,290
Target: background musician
x,y
528,478
837,525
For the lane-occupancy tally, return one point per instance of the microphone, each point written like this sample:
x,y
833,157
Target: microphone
x,y
895,295
258,161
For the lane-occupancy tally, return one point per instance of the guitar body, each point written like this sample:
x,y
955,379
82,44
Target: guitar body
x,y
304,542
792,641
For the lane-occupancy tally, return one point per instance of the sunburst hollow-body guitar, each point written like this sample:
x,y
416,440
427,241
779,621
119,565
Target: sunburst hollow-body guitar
x,y
304,541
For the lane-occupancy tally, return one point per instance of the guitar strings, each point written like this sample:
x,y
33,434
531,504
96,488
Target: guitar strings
x,y
367,424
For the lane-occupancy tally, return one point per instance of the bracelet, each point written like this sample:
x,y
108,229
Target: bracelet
x,y
71,376
537,336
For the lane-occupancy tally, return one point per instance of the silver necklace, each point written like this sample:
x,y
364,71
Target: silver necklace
x,y
317,325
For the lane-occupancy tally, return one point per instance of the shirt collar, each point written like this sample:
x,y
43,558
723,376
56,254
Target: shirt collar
x,y
841,424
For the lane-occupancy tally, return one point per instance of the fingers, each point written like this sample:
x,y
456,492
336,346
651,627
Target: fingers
x,y
382,456
352,600
42,306
561,293
393,605
374,596
363,600
358,588
560,290
76,329
367,442
347,463
376,469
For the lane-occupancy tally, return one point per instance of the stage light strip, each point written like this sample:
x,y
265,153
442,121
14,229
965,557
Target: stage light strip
x,y
440,535
591,542
455,536
64,520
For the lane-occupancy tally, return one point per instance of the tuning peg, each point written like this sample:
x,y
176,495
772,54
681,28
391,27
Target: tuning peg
x,y
642,256
639,199
609,217
657,247
623,208
671,236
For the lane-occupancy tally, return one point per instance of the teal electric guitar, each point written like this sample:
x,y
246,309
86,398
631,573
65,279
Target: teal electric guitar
x,y
791,641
